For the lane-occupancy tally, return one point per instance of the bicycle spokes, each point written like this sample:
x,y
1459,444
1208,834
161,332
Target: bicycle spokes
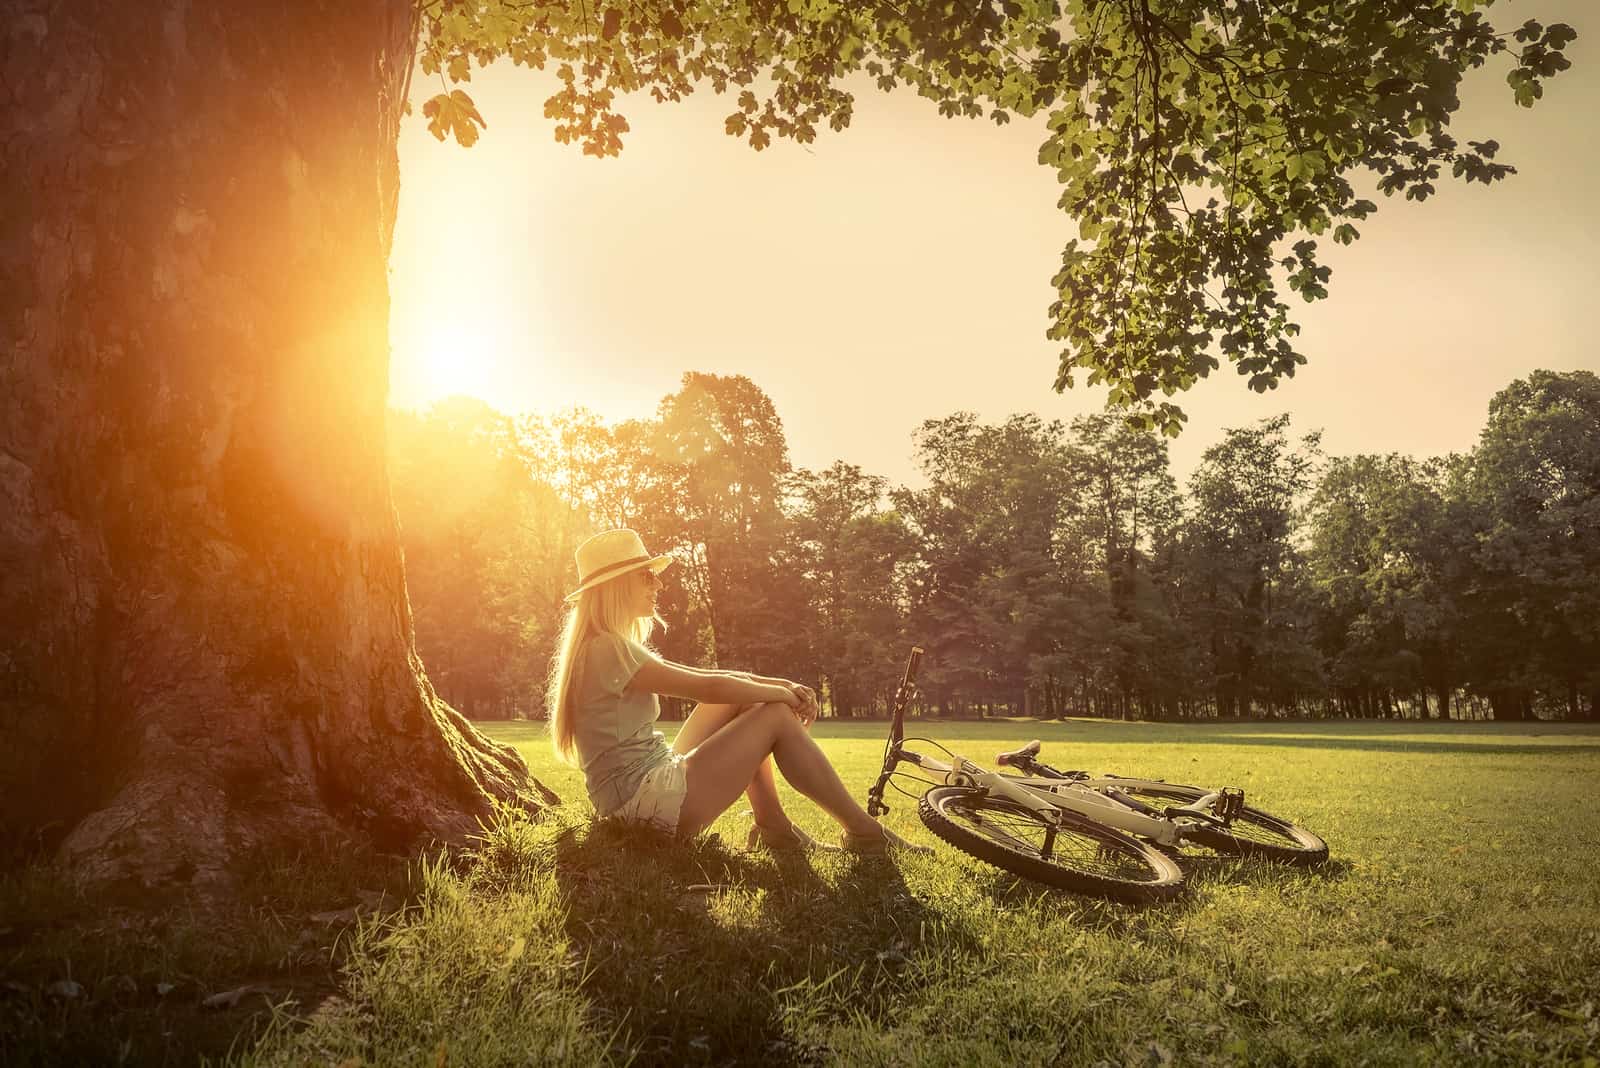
x,y
1024,832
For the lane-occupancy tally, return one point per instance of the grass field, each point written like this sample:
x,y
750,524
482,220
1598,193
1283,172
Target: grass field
x,y
1459,920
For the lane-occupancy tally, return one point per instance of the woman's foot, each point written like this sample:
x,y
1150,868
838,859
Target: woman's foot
x,y
790,839
879,843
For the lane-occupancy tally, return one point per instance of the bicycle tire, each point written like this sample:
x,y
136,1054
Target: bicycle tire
x,y
1001,832
1253,833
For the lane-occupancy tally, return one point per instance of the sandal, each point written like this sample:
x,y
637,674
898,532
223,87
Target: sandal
x,y
879,845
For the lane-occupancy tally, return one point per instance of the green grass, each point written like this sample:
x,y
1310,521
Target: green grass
x,y
1459,920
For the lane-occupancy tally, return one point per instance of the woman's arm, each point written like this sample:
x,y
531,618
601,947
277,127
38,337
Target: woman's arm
x,y
753,677
788,684
710,672
711,687
809,708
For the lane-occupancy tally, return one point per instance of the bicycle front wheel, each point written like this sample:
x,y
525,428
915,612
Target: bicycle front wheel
x,y
1253,833
1082,856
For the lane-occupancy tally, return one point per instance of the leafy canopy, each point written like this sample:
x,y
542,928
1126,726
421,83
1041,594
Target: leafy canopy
x,y
1203,146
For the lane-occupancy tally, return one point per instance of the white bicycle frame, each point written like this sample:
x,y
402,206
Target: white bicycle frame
x,y
1048,798
1094,799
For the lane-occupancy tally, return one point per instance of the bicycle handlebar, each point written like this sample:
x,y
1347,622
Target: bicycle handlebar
x,y
891,749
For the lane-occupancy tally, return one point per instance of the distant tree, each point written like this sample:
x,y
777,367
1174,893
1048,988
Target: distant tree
x,y
990,586
853,555
1385,562
951,562
724,455
607,473
1533,492
1127,504
1241,566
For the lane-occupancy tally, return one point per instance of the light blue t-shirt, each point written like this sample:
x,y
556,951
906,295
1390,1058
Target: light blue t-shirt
x,y
613,725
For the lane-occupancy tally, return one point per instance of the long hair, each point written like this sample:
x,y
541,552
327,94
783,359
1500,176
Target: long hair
x,y
600,609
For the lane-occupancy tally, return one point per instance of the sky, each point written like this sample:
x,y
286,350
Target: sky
x,y
900,271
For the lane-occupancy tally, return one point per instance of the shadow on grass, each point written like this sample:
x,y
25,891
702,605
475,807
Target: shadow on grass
x,y
1202,870
1084,911
173,977
697,953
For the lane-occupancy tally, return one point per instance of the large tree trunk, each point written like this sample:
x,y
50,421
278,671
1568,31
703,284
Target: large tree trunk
x,y
207,647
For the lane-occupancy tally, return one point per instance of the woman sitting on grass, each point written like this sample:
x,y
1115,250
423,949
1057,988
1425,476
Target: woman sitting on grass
x,y
603,705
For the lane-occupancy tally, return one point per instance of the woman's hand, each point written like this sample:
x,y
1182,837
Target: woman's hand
x,y
786,695
809,708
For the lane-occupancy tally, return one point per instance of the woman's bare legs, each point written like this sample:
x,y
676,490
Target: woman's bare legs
x,y
724,764
762,789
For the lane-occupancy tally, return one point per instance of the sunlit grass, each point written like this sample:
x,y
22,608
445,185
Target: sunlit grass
x,y
1459,916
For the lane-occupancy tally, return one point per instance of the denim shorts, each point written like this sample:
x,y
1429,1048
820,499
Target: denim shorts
x,y
659,798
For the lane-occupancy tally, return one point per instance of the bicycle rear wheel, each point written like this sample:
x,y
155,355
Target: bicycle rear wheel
x,y
1085,857
1253,833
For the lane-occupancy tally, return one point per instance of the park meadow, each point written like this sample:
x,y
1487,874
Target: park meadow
x,y
1458,920
292,491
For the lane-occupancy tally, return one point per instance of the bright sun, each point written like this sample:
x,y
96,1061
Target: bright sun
x,y
449,359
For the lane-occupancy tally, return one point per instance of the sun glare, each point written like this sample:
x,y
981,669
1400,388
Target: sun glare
x,y
451,359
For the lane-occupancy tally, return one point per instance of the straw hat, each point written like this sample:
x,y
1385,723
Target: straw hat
x,y
611,553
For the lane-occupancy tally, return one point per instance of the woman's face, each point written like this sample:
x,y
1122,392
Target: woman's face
x,y
645,584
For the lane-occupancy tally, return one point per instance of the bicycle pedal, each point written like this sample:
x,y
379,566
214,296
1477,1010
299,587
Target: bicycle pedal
x,y
1229,804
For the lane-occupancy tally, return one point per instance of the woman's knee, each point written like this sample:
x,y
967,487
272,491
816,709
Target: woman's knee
x,y
775,715
776,709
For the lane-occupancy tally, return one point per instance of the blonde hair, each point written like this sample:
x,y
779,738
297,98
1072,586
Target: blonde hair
x,y
601,609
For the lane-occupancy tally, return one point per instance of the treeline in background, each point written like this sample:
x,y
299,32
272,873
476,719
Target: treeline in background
x,y
1047,569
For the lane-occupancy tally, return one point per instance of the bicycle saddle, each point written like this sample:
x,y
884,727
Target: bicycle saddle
x,y
1016,756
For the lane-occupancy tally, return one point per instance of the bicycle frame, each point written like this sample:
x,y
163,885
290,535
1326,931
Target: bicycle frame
x,y
1049,798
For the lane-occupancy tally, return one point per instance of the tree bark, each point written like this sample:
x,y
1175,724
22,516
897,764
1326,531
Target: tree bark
x,y
207,647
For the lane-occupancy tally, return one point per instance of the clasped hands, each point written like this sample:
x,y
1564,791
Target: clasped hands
x,y
808,708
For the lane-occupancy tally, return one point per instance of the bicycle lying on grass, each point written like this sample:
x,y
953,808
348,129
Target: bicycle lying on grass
x,y
1107,835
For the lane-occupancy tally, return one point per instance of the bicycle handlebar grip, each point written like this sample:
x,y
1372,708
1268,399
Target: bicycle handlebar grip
x,y
912,661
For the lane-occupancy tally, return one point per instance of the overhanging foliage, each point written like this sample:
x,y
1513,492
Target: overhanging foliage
x,y
1203,146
